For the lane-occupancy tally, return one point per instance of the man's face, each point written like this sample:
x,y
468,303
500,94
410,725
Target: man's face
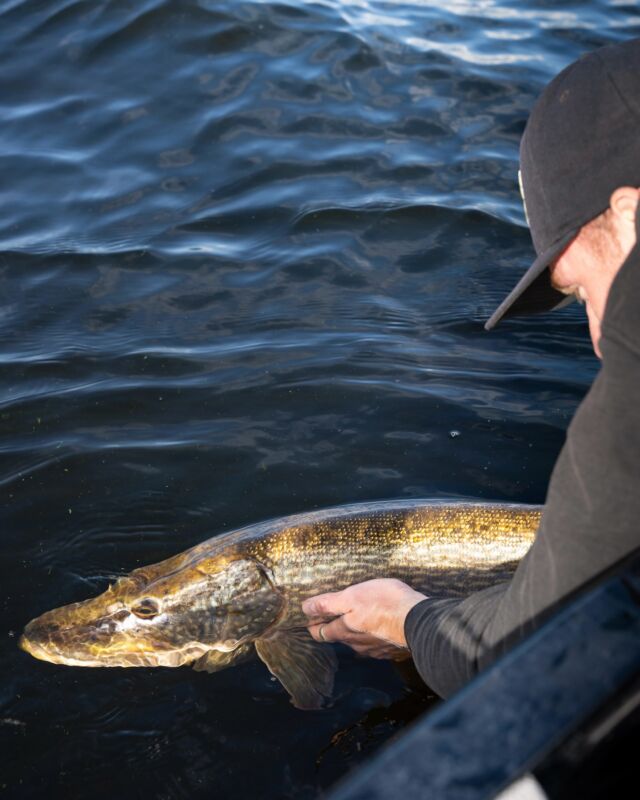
x,y
589,264
585,270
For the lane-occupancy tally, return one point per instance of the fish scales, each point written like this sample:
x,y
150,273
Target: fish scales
x,y
240,593
440,548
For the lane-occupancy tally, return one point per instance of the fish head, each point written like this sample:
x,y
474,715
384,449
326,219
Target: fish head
x,y
167,614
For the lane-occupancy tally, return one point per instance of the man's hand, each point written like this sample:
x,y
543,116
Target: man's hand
x,y
370,615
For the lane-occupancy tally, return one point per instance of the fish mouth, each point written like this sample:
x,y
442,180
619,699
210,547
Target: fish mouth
x,y
132,658
36,650
59,637
49,639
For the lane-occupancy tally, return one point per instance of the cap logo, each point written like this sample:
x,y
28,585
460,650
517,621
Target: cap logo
x,y
524,202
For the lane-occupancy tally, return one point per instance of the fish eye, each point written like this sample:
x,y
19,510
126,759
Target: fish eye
x,y
146,609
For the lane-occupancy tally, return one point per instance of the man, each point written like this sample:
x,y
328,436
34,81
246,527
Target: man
x,y
580,173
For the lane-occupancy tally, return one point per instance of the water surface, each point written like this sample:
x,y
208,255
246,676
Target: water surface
x,y
246,250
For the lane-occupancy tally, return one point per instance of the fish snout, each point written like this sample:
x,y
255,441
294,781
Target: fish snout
x,y
60,636
39,635
32,646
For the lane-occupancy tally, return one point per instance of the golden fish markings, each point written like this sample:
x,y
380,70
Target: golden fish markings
x,y
240,593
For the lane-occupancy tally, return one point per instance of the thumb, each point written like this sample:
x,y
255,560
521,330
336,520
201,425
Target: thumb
x,y
324,605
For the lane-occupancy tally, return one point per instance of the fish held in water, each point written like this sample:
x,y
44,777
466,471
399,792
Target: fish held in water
x,y
240,593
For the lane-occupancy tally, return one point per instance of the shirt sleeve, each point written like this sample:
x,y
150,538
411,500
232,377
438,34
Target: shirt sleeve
x,y
590,521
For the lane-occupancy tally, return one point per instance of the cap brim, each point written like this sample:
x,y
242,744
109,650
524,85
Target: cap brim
x,y
534,293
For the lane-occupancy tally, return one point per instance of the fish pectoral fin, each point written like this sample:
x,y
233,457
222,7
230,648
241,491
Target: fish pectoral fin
x,y
303,666
215,660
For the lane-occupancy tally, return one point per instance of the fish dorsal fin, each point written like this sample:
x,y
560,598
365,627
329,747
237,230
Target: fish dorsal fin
x,y
303,666
215,660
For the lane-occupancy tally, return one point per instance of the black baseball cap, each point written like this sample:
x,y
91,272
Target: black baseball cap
x,y
581,142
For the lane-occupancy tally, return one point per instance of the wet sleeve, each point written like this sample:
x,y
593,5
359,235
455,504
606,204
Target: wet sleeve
x,y
590,521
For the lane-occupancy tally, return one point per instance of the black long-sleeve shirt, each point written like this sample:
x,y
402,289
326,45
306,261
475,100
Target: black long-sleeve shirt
x,y
591,518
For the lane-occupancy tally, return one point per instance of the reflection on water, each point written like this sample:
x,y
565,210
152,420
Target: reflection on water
x,y
245,254
352,744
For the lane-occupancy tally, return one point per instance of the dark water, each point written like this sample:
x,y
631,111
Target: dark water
x,y
246,249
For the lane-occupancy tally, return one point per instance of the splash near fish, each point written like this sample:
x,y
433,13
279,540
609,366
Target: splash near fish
x,y
240,594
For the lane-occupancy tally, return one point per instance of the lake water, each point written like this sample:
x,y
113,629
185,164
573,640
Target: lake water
x,y
246,251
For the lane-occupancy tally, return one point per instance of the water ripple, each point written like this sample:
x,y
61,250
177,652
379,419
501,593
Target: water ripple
x,y
246,252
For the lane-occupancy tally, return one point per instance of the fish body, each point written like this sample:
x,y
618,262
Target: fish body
x,y
240,593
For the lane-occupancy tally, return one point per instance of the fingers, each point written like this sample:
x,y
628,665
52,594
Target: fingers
x,y
365,644
336,631
367,616
330,604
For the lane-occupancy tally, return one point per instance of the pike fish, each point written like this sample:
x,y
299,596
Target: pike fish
x,y
240,593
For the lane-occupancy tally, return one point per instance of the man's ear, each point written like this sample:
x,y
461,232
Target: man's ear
x,y
624,203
